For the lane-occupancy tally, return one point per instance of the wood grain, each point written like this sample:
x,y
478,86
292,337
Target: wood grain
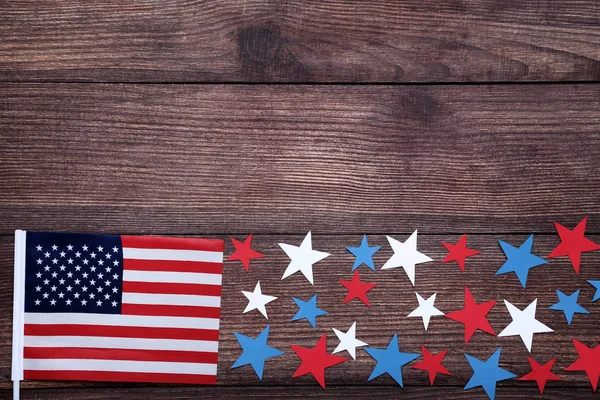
x,y
300,41
391,301
271,392
180,159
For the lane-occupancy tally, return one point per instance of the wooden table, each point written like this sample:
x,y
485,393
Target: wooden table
x,y
450,116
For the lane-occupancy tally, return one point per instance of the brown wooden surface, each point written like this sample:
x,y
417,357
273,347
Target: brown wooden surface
x,y
496,161
276,393
98,135
300,41
186,159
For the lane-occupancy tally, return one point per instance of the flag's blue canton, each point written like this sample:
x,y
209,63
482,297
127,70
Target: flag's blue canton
x,y
73,273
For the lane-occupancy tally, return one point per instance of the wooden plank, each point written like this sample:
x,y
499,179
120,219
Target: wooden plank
x,y
301,41
274,392
286,159
391,301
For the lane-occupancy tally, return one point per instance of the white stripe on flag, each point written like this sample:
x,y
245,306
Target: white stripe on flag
x,y
171,299
119,366
99,342
121,320
172,255
171,277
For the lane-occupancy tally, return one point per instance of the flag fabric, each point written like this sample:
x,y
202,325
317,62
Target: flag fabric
x,y
116,308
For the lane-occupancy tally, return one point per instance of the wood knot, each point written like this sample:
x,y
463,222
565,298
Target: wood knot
x,y
420,103
265,56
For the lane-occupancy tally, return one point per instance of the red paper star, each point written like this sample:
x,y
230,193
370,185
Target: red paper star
x,y
432,363
473,315
573,243
540,373
315,360
357,289
243,252
458,252
589,361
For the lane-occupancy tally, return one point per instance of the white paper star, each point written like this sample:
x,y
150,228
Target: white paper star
x,y
302,258
524,323
426,310
406,256
348,341
257,300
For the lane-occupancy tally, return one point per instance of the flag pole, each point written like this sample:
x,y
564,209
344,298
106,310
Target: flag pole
x,y
18,311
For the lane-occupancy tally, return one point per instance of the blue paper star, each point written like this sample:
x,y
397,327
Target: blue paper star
x,y
519,260
256,351
487,373
568,304
390,360
308,310
595,284
363,254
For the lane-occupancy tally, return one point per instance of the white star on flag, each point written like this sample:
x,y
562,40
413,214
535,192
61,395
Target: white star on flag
x,y
524,323
426,310
348,341
406,256
302,258
257,300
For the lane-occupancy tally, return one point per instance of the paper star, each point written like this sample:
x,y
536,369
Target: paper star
x,y
487,373
596,285
588,362
257,300
519,260
363,254
458,252
315,360
473,315
540,373
255,351
432,364
524,323
406,256
357,289
390,360
302,258
568,305
308,310
426,310
573,243
243,252
348,341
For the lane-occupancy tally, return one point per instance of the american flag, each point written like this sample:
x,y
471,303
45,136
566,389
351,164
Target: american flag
x,y
117,308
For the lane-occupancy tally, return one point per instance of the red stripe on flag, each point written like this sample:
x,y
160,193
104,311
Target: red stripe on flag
x,y
122,331
117,354
171,288
121,377
170,311
158,242
173,266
